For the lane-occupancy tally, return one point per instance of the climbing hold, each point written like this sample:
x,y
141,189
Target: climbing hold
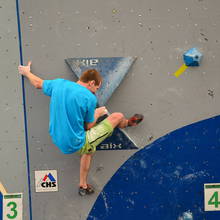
x,y
191,57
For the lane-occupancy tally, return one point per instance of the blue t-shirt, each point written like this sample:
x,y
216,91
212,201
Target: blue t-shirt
x,y
70,106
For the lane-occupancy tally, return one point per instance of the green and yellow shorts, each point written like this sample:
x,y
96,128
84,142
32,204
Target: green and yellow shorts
x,y
95,136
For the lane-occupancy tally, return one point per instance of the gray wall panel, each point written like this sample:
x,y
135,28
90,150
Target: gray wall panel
x,y
157,32
13,163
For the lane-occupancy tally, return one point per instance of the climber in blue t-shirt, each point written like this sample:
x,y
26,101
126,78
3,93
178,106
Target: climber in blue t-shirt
x,y
71,105
73,116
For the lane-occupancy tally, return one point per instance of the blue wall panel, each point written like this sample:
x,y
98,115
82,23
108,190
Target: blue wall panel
x,y
166,178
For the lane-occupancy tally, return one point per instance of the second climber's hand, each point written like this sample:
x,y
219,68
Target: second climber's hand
x,y
24,70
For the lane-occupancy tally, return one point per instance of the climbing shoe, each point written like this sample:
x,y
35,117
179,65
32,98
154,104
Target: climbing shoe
x,y
135,120
88,191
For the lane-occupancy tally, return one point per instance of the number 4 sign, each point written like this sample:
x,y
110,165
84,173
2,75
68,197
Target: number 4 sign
x,y
212,196
12,207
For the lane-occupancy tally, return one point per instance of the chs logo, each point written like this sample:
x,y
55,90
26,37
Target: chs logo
x,y
46,181
46,184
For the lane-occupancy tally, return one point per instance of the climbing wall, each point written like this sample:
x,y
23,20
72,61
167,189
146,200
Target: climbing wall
x,y
14,188
178,142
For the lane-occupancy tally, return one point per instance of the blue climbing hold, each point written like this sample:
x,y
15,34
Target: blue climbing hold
x,y
192,57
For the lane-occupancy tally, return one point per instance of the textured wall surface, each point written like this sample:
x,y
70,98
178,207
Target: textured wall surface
x,y
156,32
13,160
